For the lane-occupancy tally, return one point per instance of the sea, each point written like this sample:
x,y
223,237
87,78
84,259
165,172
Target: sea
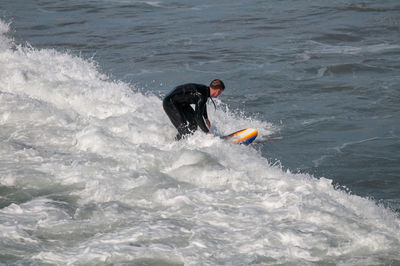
x,y
90,173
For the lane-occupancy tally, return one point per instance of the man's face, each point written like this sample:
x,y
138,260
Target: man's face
x,y
215,92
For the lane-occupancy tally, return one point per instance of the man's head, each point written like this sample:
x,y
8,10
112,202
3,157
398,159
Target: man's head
x,y
216,88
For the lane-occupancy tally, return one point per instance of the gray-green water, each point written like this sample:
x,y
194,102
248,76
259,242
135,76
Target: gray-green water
x,y
89,171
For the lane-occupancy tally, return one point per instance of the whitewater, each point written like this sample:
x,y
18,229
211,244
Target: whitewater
x,y
90,175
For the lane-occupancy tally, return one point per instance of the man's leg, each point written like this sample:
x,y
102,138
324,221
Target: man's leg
x,y
178,118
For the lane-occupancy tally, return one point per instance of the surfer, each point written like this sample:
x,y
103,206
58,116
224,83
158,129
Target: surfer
x,y
186,119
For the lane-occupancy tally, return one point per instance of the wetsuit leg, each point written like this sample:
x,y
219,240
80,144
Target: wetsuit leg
x,y
182,117
177,116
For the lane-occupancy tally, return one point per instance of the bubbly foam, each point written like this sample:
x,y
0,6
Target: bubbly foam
x,y
91,174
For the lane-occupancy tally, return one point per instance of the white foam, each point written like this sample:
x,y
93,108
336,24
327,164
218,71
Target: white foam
x,y
106,183
5,43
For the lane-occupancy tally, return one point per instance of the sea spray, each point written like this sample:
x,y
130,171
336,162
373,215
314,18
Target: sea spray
x,y
90,174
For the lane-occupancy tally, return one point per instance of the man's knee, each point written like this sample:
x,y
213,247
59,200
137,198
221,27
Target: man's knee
x,y
192,126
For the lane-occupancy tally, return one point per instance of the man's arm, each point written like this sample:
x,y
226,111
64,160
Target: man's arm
x,y
199,113
206,117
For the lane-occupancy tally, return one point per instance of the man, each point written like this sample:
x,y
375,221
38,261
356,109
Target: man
x,y
177,106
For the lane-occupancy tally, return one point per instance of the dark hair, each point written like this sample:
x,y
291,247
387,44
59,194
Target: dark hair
x,y
217,84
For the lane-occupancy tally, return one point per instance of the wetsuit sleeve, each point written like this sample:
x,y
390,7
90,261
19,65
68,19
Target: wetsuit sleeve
x,y
199,112
205,112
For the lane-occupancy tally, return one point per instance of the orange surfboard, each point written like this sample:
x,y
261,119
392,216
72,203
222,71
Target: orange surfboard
x,y
244,136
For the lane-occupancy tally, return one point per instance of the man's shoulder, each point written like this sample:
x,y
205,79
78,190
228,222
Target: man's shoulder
x,y
194,89
193,86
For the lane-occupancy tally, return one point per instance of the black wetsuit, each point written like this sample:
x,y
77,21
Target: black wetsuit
x,y
177,106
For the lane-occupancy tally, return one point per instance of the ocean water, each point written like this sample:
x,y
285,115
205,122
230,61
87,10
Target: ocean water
x,y
90,173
